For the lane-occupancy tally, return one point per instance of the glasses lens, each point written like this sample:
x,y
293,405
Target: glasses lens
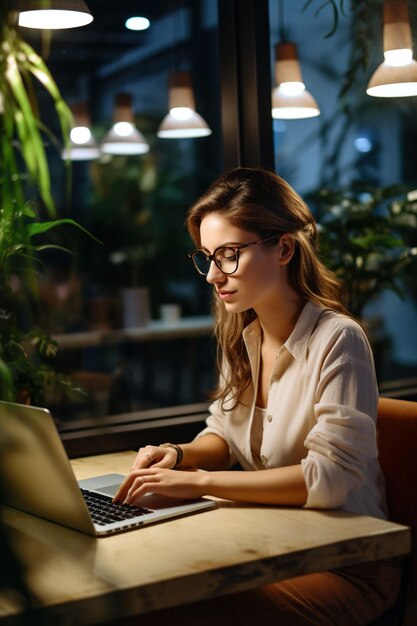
x,y
201,262
226,260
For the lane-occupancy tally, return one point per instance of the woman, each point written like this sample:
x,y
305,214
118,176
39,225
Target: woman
x,y
297,395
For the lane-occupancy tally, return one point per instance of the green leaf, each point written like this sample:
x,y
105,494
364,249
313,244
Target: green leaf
x,y
38,228
372,241
51,246
45,345
38,68
33,152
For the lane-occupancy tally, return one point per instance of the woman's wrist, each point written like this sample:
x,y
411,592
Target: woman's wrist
x,y
179,451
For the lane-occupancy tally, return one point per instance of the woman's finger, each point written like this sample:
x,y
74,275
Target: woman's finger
x,y
120,494
155,456
145,457
126,484
141,485
165,482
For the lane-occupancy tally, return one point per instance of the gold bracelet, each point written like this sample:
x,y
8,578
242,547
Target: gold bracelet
x,y
179,451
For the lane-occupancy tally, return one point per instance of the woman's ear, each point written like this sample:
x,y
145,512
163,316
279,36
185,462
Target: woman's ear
x,y
286,249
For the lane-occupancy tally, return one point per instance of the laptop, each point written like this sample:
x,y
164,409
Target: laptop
x,y
37,478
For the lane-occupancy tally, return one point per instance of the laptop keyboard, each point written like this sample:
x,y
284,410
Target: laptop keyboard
x,y
103,511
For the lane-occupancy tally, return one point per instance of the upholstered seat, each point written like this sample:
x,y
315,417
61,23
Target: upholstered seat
x,y
397,444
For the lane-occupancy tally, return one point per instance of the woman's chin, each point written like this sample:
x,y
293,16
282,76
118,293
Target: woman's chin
x,y
234,307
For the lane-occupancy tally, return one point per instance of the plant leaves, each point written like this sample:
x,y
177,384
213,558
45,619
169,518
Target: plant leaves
x,y
33,150
38,228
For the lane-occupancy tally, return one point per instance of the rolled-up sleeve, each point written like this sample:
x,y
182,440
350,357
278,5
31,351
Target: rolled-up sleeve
x,y
343,440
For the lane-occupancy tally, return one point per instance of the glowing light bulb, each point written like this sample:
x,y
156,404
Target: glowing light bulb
x,y
123,129
181,113
363,144
398,58
293,88
137,23
80,135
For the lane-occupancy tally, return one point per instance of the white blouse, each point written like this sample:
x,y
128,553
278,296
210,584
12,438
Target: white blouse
x,y
321,412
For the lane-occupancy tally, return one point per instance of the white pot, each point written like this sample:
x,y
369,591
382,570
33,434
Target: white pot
x,y
135,307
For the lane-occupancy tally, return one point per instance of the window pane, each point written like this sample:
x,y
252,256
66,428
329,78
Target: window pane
x,y
129,311
344,160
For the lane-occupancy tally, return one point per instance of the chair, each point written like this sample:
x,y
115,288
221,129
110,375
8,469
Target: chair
x,y
397,444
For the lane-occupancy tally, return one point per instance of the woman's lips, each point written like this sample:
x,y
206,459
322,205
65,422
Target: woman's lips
x,y
225,295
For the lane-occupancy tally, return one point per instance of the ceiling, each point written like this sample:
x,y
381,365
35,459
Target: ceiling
x,y
76,51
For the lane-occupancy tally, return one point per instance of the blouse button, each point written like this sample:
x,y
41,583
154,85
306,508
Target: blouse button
x,y
264,459
269,418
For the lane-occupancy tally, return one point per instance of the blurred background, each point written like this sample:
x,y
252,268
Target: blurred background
x,y
353,159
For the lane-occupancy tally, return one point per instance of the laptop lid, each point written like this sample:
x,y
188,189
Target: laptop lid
x,y
38,477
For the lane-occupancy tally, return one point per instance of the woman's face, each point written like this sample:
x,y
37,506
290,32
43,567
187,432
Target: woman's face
x,y
261,274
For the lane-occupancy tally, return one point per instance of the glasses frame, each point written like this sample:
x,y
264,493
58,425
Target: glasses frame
x,y
236,251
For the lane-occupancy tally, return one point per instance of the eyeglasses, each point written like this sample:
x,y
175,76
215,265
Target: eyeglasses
x,y
226,258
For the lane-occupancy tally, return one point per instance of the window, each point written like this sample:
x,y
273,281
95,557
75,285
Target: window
x,y
130,314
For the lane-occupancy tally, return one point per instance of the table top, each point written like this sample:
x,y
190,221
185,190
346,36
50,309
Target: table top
x,y
156,330
233,547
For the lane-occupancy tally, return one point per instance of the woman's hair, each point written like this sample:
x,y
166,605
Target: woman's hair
x,y
261,202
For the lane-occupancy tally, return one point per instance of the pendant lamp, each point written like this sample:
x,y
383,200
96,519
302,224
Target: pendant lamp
x,y
397,75
182,120
124,137
83,146
53,14
290,99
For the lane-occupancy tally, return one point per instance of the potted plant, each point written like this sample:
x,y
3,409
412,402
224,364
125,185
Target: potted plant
x,y
367,236
27,213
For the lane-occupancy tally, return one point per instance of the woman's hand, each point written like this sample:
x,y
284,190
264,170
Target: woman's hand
x,y
148,456
159,456
162,481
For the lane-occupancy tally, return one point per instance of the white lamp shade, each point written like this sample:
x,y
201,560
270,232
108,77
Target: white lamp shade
x,y
134,143
288,107
397,75
86,151
81,153
290,99
124,137
389,81
55,14
182,121
175,128
83,146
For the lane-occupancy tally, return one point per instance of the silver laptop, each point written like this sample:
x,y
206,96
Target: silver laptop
x,y
38,478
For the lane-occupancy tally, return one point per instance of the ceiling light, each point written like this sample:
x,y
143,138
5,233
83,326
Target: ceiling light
x,y
182,120
290,99
363,144
137,23
53,14
124,137
397,75
83,146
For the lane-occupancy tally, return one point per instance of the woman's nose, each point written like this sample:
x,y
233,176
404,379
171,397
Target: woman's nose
x,y
214,274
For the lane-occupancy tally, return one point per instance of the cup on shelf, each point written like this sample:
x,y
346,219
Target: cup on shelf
x,y
170,313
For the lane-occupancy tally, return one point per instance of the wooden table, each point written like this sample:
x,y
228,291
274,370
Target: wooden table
x,y
81,580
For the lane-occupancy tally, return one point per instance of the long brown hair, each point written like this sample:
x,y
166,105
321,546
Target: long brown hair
x,y
261,202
